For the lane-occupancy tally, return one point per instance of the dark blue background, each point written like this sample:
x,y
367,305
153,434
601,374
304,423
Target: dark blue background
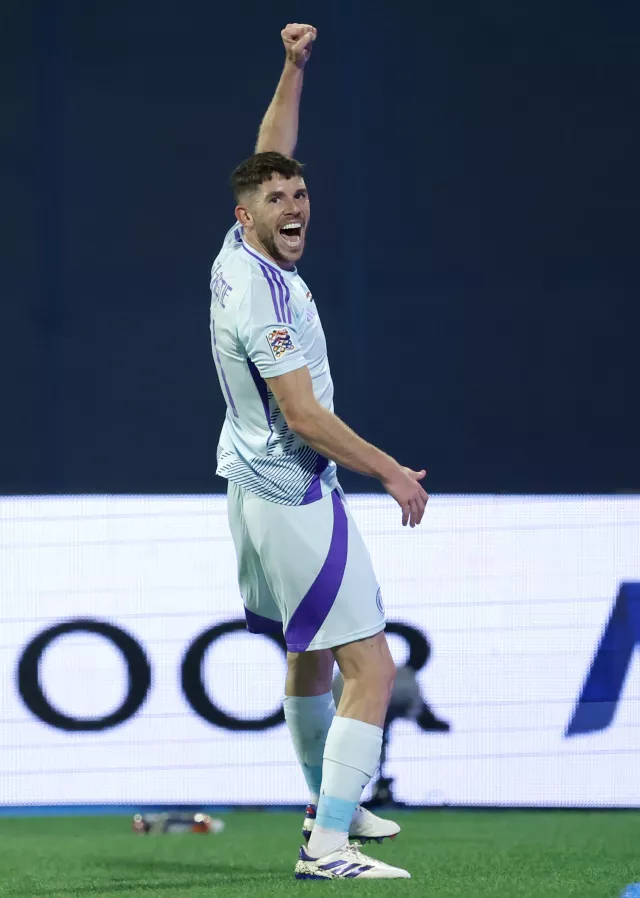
x,y
473,252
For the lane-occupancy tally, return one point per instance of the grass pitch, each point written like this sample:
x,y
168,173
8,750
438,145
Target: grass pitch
x,y
466,854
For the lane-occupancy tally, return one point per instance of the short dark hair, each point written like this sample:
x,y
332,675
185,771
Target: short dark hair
x,y
259,168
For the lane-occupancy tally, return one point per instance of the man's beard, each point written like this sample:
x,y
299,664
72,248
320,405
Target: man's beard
x,y
267,239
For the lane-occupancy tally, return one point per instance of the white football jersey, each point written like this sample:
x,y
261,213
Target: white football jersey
x,y
264,322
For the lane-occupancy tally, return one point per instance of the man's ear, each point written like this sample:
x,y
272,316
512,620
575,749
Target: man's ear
x,y
244,216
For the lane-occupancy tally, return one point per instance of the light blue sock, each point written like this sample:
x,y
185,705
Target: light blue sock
x,y
309,719
351,756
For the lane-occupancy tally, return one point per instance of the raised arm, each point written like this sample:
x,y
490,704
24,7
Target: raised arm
x,y
279,129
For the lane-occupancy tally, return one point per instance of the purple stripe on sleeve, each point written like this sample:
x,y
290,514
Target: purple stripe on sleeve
x,y
287,297
283,310
262,389
276,280
256,623
265,272
314,490
312,611
223,376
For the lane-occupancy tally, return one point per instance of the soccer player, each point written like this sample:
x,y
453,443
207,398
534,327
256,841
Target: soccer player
x,y
303,567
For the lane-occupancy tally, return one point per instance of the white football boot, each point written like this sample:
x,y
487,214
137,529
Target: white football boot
x,y
347,863
365,826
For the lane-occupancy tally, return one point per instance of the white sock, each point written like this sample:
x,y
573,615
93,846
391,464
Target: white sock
x,y
309,719
351,755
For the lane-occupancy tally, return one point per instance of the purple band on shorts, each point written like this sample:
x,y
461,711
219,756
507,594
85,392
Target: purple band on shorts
x,y
256,623
312,611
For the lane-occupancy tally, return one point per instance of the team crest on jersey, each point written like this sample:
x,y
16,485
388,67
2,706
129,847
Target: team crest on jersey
x,y
280,342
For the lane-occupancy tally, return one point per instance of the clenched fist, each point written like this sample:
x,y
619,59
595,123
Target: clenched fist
x,y
298,40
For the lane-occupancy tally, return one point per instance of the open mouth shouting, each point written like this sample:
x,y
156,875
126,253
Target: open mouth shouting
x,y
291,234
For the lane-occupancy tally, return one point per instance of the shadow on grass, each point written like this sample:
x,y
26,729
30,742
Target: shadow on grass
x,y
172,875
149,866
127,886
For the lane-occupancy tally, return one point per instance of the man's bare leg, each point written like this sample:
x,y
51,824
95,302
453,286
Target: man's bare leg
x,y
368,671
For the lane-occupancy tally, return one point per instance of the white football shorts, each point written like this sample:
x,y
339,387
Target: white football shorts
x,y
304,570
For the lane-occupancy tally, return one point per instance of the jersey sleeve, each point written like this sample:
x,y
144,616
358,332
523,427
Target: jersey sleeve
x,y
267,329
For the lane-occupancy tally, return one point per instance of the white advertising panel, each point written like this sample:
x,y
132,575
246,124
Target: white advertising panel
x,y
525,610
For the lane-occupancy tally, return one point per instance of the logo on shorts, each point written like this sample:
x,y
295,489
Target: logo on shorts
x,y
379,604
280,343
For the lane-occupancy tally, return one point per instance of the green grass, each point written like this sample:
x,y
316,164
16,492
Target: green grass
x,y
450,853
